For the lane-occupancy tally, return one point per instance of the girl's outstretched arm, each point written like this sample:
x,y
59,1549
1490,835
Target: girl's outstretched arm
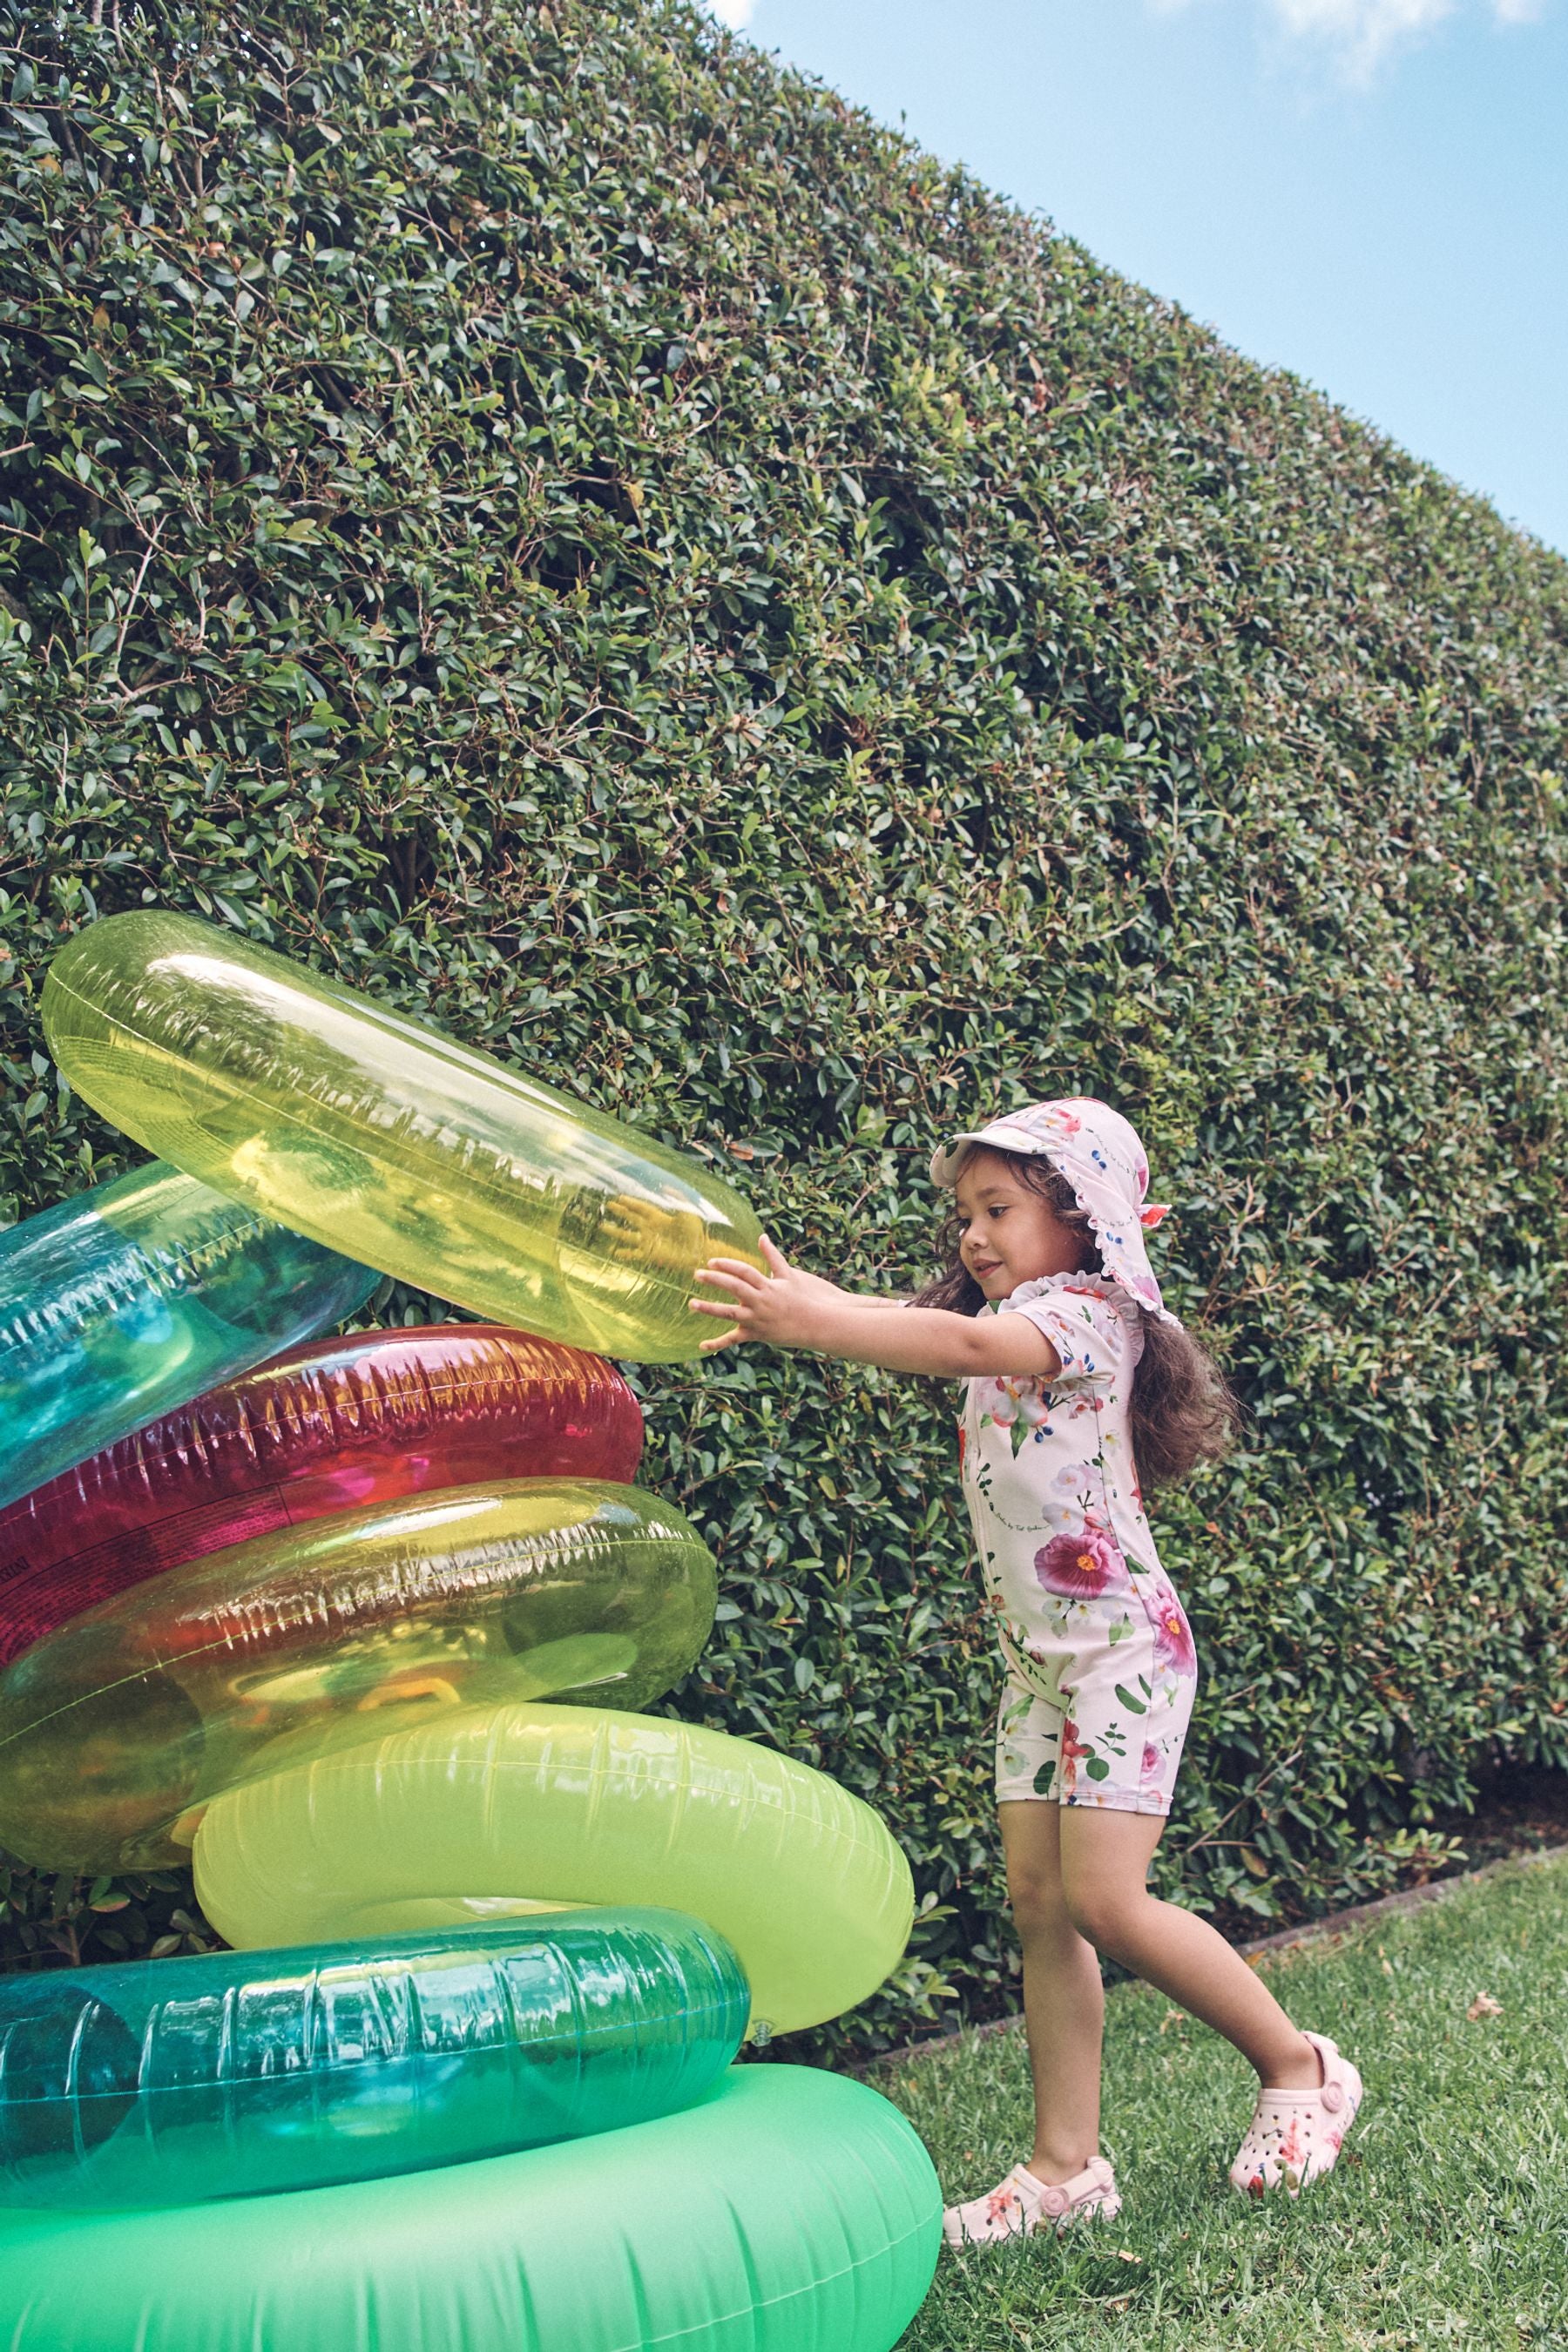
x,y
788,1307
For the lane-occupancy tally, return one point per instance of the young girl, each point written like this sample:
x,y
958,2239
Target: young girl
x,y
1078,1377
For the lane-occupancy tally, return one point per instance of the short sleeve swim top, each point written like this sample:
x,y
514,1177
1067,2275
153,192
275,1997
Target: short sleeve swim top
x,y
1048,1471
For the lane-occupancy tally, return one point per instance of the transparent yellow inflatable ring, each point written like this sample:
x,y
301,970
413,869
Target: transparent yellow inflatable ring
x,y
455,1820
117,1728
386,1141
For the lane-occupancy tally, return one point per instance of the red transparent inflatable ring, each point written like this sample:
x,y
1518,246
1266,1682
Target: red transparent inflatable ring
x,y
334,1425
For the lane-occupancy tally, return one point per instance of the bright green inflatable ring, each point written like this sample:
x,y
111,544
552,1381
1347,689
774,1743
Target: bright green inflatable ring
x,y
789,2212
385,1141
118,1726
567,1804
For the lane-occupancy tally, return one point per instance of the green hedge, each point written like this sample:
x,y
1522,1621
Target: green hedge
x,y
540,512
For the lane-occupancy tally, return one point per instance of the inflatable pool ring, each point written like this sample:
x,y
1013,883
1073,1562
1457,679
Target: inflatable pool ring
x,y
122,1302
332,1426
117,1730
328,1110
791,2210
576,1805
231,2073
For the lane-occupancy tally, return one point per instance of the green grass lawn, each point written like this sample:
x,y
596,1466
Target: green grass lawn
x,y
1445,2222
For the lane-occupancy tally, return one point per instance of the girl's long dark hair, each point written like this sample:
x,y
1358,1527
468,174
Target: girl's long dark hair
x,y
1183,1409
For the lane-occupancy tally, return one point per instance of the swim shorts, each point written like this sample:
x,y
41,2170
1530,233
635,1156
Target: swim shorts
x,y
1112,1738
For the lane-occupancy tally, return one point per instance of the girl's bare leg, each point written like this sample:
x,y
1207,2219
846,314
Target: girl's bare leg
x,y
1064,2002
1104,1858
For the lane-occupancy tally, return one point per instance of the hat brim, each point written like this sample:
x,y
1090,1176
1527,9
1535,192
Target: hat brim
x,y
948,1158
946,1161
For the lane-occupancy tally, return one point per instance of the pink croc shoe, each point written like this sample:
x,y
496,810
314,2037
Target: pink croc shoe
x,y
1296,2135
1021,2204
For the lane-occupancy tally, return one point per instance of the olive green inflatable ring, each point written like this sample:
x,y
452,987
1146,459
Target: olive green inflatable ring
x,y
570,1805
117,1728
788,2212
380,1137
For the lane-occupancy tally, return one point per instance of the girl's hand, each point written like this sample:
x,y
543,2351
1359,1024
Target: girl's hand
x,y
641,1234
790,1308
783,1307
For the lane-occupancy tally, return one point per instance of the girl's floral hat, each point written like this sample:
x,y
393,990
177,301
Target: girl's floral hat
x,y
1099,1152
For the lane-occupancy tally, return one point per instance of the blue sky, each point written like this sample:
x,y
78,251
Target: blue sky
x,y
1371,193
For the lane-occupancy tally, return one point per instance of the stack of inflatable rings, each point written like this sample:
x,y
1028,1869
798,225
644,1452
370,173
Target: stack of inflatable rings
x,y
313,1627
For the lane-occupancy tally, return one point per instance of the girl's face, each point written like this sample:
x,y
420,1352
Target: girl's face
x,y
1007,1233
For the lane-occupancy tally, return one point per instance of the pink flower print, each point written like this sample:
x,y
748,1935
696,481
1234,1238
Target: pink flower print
x,y
1292,2155
1002,1404
1150,1770
1071,1749
999,2205
1172,1634
1074,1479
1081,1566
1017,1406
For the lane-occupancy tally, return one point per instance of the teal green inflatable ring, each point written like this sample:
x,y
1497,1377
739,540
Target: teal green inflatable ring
x,y
232,2073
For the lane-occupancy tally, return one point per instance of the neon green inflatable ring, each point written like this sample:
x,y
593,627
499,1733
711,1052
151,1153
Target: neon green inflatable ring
x,y
457,1819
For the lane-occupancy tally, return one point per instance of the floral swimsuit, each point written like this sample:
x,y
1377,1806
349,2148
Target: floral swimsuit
x,y
1102,1672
